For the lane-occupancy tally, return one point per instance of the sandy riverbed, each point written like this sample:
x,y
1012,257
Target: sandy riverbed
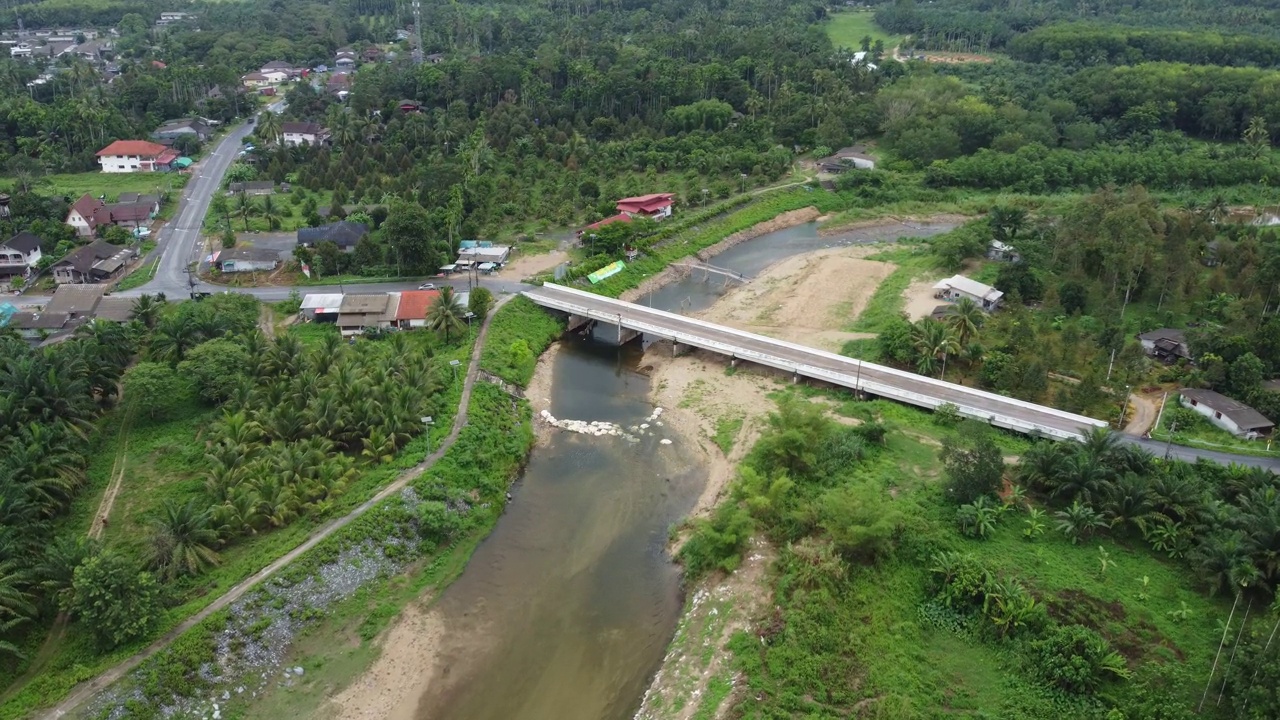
x,y
806,298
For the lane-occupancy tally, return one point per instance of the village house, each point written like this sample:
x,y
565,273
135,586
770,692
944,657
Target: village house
x,y
130,216
958,286
82,215
358,312
371,53
409,106
1002,252
1231,415
76,302
95,262
174,129
345,234
435,58
1166,345
620,217
248,259
278,66
293,134
345,58
111,309
255,80
18,256
123,156
413,308
338,83
496,254
321,307
172,18
655,206
151,202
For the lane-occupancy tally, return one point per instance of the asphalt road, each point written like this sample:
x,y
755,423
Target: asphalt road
x,y
947,392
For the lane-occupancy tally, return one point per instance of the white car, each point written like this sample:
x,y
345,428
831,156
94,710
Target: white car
x,y
427,286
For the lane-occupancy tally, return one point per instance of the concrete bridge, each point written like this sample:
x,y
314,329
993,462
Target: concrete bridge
x,y
633,320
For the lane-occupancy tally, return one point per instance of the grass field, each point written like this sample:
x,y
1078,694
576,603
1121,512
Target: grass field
x,y
73,185
846,29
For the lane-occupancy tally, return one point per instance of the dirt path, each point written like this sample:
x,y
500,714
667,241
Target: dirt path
x,y
1142,415
88,689
267,321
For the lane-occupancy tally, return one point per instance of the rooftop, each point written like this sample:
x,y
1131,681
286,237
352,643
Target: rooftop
x,y
364,304
1164,334
24,242
1245,417
114,309
144,148
969,286
415,303
76,299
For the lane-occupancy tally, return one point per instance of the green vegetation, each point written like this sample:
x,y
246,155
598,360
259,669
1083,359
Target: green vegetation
x,y
727,429
97,184
847,30
1074,618
1188,427
520,331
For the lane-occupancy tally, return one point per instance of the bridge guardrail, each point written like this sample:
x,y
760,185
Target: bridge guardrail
x,y
871,386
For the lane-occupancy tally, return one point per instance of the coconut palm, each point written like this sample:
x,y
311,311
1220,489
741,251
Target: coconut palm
x,y
933,342
271,212
182,539
269,128
965,318
245,208
445,314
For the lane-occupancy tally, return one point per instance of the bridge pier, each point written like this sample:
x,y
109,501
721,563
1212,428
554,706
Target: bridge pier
x,y
678,349
625,335
577,321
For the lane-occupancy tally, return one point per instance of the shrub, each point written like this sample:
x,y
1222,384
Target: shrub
x,y
717,542
974,463
1076,659
978,519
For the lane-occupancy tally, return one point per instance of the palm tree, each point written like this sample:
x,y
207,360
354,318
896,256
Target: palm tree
x,y
965,318
57,566
1079,521
271,212
182,538
269,127
173,337
146,310
15,602
245,208
1222,561
934,342
445,314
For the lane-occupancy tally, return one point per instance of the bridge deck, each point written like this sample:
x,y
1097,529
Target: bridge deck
x,y
818,364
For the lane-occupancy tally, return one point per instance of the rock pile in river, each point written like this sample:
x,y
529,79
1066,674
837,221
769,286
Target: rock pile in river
x,y
600,428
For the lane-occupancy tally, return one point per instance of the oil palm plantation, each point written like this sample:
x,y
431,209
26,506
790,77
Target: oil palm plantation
x,y
182,539
446,313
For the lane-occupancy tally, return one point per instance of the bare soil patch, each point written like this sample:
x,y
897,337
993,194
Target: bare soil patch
x,y
391,687
919,298
807,298
528,265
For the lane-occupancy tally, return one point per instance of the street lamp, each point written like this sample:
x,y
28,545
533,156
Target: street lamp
x,y
454,364
428,421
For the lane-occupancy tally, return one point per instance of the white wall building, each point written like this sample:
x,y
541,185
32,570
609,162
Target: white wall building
x,y
1231,415
959,286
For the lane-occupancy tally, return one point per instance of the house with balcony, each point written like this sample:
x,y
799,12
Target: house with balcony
x,y
125,156
19,256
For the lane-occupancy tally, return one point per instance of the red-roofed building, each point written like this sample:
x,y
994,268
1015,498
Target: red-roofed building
x,y
124,156
83,215
414,305
620,217
655,206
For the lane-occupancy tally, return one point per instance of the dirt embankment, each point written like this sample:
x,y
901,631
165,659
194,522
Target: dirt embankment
x,y
391,687
909,221
538,393
671,274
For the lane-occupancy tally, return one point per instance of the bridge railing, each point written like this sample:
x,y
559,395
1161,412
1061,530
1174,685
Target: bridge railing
x,y
837,378
1078,420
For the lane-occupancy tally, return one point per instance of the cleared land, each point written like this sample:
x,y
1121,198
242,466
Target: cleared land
x,y
846,29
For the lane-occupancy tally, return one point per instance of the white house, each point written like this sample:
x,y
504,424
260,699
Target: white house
x,y
274,77
124,156
959,286
321,307
84,215
302,133
1231,415
18,255
21,50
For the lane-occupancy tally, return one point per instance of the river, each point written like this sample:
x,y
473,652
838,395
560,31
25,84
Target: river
x,y
564,612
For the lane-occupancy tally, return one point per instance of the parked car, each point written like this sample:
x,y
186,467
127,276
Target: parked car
x,y
427,286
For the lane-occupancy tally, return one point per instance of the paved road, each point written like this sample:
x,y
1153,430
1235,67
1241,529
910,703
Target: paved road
x,y
179,241
876,379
